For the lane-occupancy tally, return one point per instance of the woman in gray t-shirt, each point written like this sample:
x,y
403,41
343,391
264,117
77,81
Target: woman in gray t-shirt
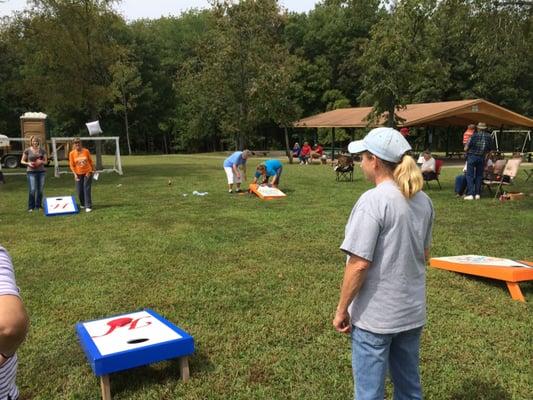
x,y
35,158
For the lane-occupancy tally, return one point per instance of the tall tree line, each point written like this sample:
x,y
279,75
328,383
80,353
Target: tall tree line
x,y
239,73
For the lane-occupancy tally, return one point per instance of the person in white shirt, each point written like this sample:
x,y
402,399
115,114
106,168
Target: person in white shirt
x,y
428,166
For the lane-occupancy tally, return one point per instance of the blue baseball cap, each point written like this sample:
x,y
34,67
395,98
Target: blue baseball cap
x,y
385,143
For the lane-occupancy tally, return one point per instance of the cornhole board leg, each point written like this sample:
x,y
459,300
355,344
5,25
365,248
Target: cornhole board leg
x,y
516,293
106,387
184,368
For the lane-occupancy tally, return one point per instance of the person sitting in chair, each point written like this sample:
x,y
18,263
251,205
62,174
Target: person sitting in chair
x,y
318,151
460,183
268,173
488,169
428,166
296,150
305,153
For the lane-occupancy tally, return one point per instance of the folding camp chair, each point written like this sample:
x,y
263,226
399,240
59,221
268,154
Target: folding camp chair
x,y
505,178
529,174
438,166
344,168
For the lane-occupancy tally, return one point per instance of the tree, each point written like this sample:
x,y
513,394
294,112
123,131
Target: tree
x,y
238,69
70,47
502,53
398,61
126,86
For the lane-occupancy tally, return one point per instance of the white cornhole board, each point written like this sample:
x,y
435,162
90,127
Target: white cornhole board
x,y
94,128
131,340
62,205
266,192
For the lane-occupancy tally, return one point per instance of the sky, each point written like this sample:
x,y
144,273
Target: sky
x,y
135,9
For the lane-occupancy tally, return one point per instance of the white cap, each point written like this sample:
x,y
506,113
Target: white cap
x,y
385,143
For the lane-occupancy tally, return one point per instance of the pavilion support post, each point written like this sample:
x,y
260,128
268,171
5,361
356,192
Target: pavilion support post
x,y
332,144
501,134
316,137
448,140
288,151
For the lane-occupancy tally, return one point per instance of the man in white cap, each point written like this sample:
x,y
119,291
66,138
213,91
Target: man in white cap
x,y
382,298
477,147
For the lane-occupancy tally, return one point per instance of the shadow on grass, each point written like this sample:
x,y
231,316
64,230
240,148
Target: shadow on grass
x,y
170,170
525,287
527,290
136,379
474,389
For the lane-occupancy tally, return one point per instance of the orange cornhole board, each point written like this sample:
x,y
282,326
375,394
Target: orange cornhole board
x,y
266,193
502,269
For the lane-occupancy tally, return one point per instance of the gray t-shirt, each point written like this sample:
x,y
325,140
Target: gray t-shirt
x,y
392,233
33,156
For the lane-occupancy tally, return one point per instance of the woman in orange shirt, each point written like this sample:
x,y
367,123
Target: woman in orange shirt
x,y
81,164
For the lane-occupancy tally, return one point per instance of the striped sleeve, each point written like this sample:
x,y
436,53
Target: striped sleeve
x,y
7,275
8,374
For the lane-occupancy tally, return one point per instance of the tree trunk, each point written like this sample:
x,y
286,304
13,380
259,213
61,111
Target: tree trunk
x,y
98,146
392,109
125,104
287,146
165,144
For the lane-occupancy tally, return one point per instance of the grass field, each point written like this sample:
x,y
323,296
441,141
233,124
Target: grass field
x,y
256,283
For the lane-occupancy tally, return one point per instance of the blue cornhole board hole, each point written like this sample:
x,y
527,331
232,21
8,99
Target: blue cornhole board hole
x,y
61,205
132,340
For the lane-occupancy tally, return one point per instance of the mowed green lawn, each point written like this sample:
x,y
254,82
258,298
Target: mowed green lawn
x,y
256,283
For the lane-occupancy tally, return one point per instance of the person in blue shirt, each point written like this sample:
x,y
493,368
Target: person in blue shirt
x,y
269,170
235,168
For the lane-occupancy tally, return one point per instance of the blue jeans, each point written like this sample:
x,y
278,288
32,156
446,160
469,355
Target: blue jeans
x,y
83,187
374,354
474,174
460,184
35,189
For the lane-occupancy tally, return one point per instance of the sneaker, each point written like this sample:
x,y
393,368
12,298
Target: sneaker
x,y
82,207
238,191
30,209
230,191
469,198
88,209
477,197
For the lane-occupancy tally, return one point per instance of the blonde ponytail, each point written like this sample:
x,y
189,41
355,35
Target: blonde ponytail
x,y
408,177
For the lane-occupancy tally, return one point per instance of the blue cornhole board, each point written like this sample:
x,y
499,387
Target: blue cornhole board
x,y
60,205
131,340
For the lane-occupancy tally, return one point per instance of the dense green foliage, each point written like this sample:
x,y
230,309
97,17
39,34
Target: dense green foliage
x,y
235,74
256,283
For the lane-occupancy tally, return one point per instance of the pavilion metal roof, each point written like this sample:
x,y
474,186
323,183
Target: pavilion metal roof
x,y
446,113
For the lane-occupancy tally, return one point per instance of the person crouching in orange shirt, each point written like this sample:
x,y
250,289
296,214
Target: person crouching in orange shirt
x,y
81,165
